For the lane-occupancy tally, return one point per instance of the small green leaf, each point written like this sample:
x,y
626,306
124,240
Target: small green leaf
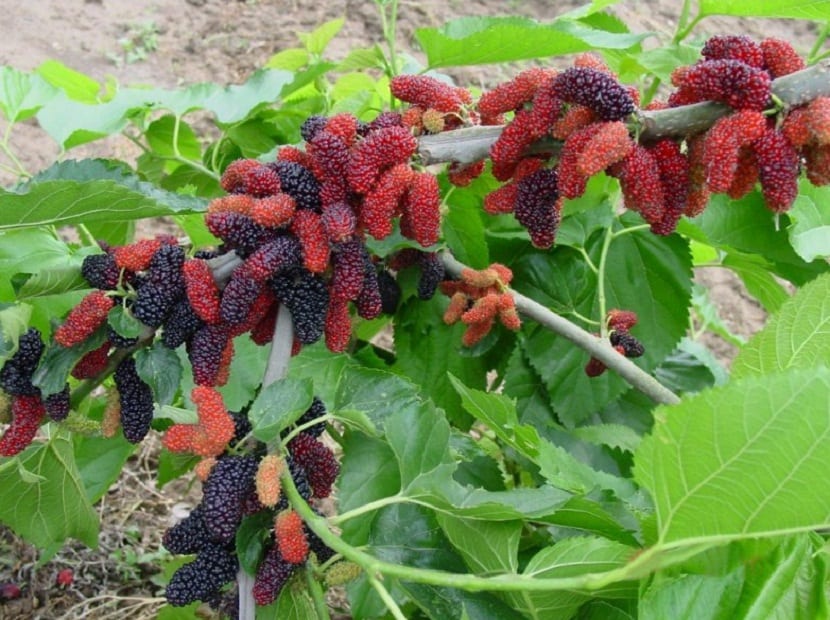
x,y
757,275
54,368
697,461
577,228
14,319
376,393
795,9
317,40
315,362
169,136
611,435
124,323
291,59
253,533
798,336
173,465
100,461
55,507
662,61
77,86
278,406
160,368
486,546
362,58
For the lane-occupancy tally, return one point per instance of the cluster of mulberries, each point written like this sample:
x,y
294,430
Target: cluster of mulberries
x,y
236,486
28,405
585,108
619,324
478,298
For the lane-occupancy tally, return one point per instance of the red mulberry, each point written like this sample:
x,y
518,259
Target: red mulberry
x,y
427,92
422,210
317,460
674,176
381,149
290,536
27,413
513,94
84,319
729,81
274,211
641,185
136,256
722,145
610,144
778,167
338,326
202,292
308,227
780,57
461,175
339,221
381,203
272,574
734,47
572,182
235,176
91,364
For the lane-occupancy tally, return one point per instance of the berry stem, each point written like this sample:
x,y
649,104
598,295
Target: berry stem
x,y
299,429
387,599
599,349
603,259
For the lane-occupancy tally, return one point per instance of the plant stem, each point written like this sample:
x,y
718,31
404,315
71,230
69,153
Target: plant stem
x,y
317,594
368,507
598,348
603,259
299,429
820,39
387,599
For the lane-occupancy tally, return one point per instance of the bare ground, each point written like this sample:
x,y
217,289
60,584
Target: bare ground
x,y
224,41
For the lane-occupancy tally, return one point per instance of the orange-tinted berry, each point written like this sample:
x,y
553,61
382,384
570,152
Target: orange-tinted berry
x,y
234,203
610,144
235,175
268,485
273,211
204,467
290,536
136,256
308,226
202,292
457,307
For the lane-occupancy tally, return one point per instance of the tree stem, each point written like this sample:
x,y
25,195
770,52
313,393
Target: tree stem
x,y
597,347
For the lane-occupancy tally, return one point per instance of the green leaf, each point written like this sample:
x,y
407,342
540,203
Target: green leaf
x,y
797,337
486,546
278,406
160,368
787,583
169,136
427,349
83,191
809,229
483,40
362,58
251,537
757,275
53,371
77,86
317,40
795,9
22,94
316,363
569,558
376,393
14,320
173,465
293,604
247,369
562,469
455,604
124,323
291,59
661,61
697,462
463,225
100,461
693,596
54,508
575,229
611,435
707,314
682,372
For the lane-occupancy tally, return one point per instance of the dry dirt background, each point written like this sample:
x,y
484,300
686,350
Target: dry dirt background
x,y
224,41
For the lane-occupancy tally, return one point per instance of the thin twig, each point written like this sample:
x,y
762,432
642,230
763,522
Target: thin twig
x,y
597,347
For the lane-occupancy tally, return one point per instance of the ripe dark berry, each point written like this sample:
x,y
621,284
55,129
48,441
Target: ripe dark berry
x,y
298,182
630,345
734,47
180,325
729,81
390,292
273,573
230,481
239,295
57,404
205,352
239,232
202,578
317,410
16,375
272,257
311,126
101,271
307,298
190,535
596,90
136,400
536,206
432,273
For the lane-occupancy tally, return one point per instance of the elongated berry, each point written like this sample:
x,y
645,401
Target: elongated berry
x,y
381,149
27,413
101,271
381,203
317,460
421,219
17,372
732,82
338,326
272,574
778,167
201,289
536,207
309,229
428,92
596,90
136,401
205,352
290,535
230,481
84,319
268,485
298,182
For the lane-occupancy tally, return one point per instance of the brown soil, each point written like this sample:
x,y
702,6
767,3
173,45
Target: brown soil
x,y
224,41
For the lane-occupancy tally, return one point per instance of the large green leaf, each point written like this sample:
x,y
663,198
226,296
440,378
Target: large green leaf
x,y
14,320
797,337
647,274
427,349
486,546
483,40
22,94
160,368
100,461
698,597
278,406
83,191
796,9
747,459
76,85
51,505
